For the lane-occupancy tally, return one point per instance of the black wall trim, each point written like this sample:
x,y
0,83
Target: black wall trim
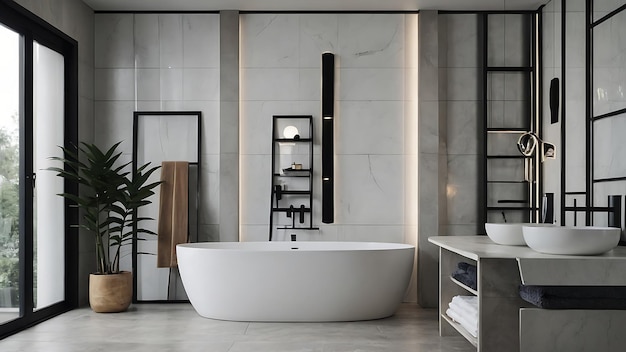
x,y
609,114
589,108
158,12
608,16
563,108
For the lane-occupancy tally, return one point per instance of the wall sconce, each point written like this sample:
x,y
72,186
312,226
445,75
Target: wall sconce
x,y
328,152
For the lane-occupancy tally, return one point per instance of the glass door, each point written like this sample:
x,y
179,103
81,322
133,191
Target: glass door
x,y
9,175
38,113
48,207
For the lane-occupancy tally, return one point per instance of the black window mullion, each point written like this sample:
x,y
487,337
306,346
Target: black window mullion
x,y
26,172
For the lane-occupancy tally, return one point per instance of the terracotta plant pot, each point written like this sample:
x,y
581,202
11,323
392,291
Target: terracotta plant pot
x,y
110,293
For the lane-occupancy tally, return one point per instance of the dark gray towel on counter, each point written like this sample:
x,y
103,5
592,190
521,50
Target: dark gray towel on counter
x,y
575,297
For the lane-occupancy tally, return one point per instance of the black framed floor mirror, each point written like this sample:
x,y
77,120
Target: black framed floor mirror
x,y
172,140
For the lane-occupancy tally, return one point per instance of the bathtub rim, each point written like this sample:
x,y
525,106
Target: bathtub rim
x,y
302,246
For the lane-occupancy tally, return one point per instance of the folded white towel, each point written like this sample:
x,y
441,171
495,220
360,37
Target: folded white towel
x,y
471,327
462,308
466,303
468,317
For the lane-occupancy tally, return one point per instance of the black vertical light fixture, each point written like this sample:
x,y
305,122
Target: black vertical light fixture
x,y
554,100
328,150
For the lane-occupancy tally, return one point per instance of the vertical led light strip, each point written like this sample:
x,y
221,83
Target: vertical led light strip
x,y
328,150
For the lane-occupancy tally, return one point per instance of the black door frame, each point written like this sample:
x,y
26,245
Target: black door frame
x,y
32,28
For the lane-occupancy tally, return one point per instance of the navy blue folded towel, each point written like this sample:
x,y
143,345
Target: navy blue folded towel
x,y
466,274
575,297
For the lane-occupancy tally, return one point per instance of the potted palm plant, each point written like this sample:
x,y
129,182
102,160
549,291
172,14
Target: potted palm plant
x,y
111,199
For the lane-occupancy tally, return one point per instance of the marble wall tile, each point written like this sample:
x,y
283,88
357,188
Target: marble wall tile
x,y
502,144
318,33
309,86
496,40
270,84
114,41
255,190
270,40
371,233
463,84
209,211
505,170
370,127
210,123
461,190
201,84
462,127
114,123
464,230
428,127
256,124
171,41
515,27
200,33
462,40
371,41
371,84
428,195
368,189
172,84
148,81
114,84
146,41
229,196
209,233
253,233
549,37
574,36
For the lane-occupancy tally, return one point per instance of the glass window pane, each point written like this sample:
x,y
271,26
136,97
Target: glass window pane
x,y
602,8
9,174
49,225
609,65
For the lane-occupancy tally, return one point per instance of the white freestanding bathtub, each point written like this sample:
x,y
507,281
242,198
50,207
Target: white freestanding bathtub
x,y
295,281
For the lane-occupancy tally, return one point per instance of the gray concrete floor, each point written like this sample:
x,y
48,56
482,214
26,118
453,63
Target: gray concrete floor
x,y
177,327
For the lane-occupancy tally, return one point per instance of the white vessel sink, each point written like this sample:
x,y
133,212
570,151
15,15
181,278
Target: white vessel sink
x,y
571,240
509,234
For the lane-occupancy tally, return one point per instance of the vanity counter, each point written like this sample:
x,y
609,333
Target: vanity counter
x,y
508,323
544,269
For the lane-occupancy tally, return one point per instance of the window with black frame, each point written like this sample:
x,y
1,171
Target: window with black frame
x,y
38,113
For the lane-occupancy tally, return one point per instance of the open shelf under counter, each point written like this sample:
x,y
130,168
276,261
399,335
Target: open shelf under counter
x,y
461,330
464,286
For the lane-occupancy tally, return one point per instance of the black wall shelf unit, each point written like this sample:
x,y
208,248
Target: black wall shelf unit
x,y
291,205
510,190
